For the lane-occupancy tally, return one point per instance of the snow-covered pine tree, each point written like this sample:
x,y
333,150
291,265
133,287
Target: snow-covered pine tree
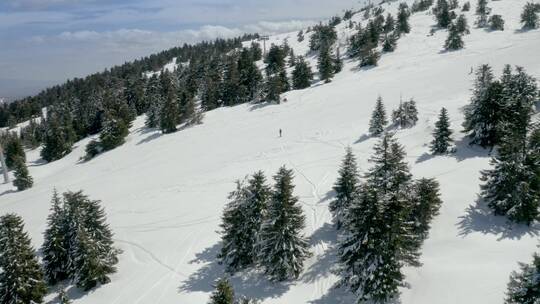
x,y
484,114
114,133
403,15
58,138
63,297
92,255
22,180
389,43
454,41
442,135
224,293
466,7
347,188
482,11
462,25
302,74
524,286
282,247
496,23
13,150
389,24
369,56
378,120
21,278
509,187
529,16
406,115
325,64
170,113
256,209
155,102
441,11
55,245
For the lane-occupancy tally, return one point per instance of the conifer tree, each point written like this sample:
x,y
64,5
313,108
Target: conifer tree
x,y
14,150
483,115
529,16
55,245
58,139
406,115
113,134
155,101
442,134
389,43
302,74
21,278
462,26
496,23
22,180
325,65
369,56
389,24
256,209
524,286
442,13
378,120
426,205
482,11
454,41
250,77
347,189
283,248
466,7
170,113
224,293
403,15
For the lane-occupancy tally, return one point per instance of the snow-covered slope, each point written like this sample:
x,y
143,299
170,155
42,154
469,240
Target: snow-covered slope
x,y
164,193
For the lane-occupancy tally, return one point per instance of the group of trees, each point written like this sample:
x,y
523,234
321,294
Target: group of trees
x,y
78,246
16,160
405,116
382,221
262,227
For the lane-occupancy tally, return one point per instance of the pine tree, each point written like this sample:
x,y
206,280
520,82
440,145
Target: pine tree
x,y
54,249
114,132
389,24
22,180
155,100
524,286
426,205
255,211
224,293
347,189
496,23
14,150
21,278
378,120
529,16
484,114
442,13
169,115
442,134
389,43
250,76
91,251
369,56
325,65
482,11
58,139
63,297
454,41
406,115
282,247
302,74
466,7
403,15
462,26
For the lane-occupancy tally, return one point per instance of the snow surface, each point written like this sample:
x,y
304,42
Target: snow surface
x,y
164,194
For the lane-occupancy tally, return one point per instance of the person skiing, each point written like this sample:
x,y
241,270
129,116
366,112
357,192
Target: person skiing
x,y
280,132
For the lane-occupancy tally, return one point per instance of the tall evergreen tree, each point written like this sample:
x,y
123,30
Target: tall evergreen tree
x,y
21,278
114,133
224,293
426,204
14,150
529,16
55,246
442,13
496,23
406,115
22,180
524,286
454,41
325,65
302,74
482,11
155,100
378,119
58,138
170,113
403,15
347,189
442,134
282,247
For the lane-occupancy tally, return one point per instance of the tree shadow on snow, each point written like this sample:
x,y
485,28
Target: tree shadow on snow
x,y
336,296
251,284
150,138
480,218
9,191
363,138
37,163
463,151
325,262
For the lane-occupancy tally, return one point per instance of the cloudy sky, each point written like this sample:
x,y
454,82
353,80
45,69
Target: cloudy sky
x,y
44,42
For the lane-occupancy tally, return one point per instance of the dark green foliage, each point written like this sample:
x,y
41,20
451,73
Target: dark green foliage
x,y
249,75
241,223
21,278
323,37
348,15
13,149
22,180
302,75
224,293
454,41
466,7
256,51
529,16
347,188
378,120
406,115
369,57
325,64
482,11
282,248
275,60
389,43
93,149
462,26
403,15
496,23
114,133
155,102
442,13
300,36
427,202
442,135
58,138
421,5
55,247
524,286
389,24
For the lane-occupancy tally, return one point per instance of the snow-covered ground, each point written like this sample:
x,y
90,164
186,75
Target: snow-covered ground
x,y
164,194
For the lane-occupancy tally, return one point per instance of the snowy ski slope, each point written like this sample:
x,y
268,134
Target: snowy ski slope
x,y
164,194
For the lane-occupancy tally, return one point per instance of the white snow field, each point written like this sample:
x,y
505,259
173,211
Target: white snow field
x,y
164,194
